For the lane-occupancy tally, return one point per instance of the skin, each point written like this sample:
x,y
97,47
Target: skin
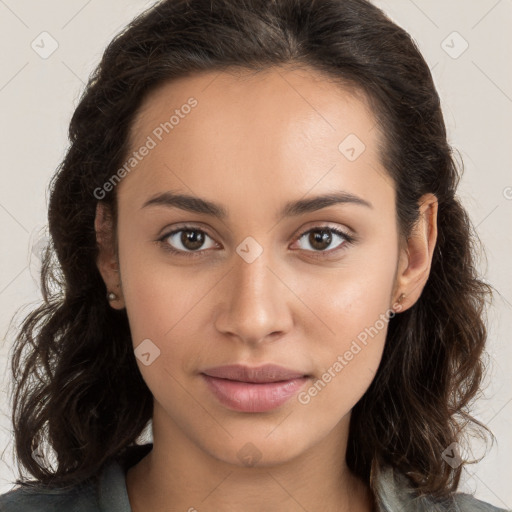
x,y
253,143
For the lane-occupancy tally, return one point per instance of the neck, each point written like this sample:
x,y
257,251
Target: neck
x,y
179,475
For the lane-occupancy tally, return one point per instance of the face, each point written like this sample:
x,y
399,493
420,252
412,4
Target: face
x,y
277,278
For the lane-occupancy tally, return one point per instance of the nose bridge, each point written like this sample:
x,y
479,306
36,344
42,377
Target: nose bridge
x,y
252,279
255,304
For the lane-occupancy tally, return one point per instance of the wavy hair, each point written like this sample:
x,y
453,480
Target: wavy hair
x,y
71,399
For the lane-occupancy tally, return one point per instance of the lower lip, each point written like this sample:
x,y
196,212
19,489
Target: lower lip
x,y
250,397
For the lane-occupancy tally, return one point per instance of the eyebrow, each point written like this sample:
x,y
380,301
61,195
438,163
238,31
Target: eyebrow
x,y
291,209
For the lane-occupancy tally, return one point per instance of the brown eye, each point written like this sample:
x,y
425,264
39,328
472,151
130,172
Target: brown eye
x,y
320,239
192,240
186,240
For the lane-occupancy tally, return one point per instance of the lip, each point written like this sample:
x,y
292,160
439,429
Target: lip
x,y
256,389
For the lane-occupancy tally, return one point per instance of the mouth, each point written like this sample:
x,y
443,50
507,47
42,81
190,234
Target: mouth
x,y
247,389
266,373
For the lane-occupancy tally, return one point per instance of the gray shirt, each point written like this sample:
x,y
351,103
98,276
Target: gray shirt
x,y
108,494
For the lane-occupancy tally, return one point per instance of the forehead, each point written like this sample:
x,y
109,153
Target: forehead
x,y
236,94
239,128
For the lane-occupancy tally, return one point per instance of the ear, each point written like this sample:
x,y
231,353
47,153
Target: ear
x,y
416,255
107,261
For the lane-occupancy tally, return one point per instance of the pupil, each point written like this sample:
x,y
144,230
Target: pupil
x,y
192,239
322,238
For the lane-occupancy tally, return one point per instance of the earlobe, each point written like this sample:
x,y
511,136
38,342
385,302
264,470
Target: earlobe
x,y
416,257
107,261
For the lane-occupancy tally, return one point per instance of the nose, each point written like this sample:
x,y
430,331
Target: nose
x,y
254,304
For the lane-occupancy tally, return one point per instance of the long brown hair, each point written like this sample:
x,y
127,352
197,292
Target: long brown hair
x,y
78,392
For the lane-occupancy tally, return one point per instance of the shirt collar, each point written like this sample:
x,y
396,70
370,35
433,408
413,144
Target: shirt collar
x,y
112,492
392,489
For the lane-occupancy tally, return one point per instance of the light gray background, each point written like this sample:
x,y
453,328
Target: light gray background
x,y
38,95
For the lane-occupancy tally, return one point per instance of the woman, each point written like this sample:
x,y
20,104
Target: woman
x,y
263,259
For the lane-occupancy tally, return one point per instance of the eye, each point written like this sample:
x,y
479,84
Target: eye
x,y
321,238
189,241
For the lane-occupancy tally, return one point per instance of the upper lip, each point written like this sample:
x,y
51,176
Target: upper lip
x,y
264,373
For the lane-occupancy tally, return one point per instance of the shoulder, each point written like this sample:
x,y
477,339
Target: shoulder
x,y
81,498
394,492
470,503
106,492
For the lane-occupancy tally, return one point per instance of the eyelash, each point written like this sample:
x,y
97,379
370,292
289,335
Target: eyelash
x,y
349,240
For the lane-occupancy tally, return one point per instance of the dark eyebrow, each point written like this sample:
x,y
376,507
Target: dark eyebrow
x,y
318,202
291,209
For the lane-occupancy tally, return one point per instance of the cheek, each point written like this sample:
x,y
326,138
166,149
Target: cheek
x,y
170,306
342,302
347,331
157,295
347,358
162,308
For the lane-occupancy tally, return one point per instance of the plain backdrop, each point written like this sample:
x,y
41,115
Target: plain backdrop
x,y
468,46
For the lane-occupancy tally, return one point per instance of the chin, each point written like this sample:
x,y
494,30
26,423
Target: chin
x,y
256,451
